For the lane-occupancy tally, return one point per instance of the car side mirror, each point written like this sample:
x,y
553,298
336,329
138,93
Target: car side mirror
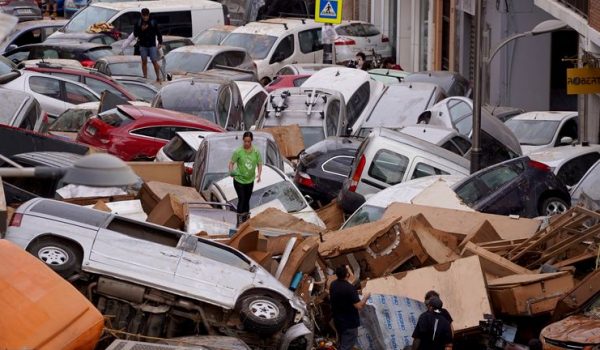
x,y
566,140
424,118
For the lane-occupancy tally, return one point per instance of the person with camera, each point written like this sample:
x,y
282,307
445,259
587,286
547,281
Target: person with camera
x,y
433,330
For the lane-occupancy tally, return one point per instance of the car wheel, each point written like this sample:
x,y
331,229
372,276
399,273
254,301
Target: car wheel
x,y
265,81
262,314
552,206
58,255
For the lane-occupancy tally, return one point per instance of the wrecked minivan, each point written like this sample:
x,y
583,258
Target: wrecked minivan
x,y
161,282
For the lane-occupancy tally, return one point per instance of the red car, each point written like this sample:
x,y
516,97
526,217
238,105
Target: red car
x,y
137,133
94,80
286,81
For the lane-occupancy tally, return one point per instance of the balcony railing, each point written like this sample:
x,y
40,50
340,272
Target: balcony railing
x,y
582,7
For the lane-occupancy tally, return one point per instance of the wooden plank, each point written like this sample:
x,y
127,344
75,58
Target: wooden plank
x,y
485,233
492,263
451,280
576,259
565,245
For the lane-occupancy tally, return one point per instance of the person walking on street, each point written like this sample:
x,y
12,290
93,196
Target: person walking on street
x,y
147,33
345,304
433,331
242,167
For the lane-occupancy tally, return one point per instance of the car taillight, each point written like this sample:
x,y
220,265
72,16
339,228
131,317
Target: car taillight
x,y
539,166
4,2
385,39
357,174
304,179
16,219
87,63
189,170
344,41
45,118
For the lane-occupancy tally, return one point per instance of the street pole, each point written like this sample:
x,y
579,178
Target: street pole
x,y
328,37
476,136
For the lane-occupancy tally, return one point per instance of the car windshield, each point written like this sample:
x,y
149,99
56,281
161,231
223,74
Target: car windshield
x,y
71,120
130,69
282,191
210,37
197,100
191,62
218,163
399,106
364,215
312,135
88,16
533,132
6,66
178,150
258,46
140,91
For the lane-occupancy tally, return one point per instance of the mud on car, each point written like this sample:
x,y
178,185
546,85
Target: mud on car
x,y
158,282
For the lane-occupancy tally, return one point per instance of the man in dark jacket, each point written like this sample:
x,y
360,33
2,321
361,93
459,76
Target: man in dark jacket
x,y
148,35
345,304
433,331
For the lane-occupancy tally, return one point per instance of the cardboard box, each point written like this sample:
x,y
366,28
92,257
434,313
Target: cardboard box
x,y
529,294
154,191
461,285
168,172
289,139
168,212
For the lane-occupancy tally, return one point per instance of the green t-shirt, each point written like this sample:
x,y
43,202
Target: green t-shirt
x,y
245,164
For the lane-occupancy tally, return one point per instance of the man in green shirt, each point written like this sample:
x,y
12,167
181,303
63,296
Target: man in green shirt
x,y
242,167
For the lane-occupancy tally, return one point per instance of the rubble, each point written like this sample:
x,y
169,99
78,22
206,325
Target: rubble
x,y
166,172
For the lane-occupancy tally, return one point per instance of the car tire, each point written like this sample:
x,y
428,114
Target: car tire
x,y
262,314
553,205
62,257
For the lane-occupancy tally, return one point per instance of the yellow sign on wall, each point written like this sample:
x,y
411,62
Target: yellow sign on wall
x,y
328,11
583,81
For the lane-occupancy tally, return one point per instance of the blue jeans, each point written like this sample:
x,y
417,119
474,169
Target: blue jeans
x,y
348,339
149,51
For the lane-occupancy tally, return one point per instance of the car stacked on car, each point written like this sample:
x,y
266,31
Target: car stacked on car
x,y
338,146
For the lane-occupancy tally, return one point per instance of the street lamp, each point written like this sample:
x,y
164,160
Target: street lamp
x,y
95,170
482,72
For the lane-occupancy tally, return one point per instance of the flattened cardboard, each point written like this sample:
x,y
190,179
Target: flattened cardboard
x,y
101,205
302,259
167,172
463,222
168,212
530,294
332,216
277,219
289,139
152,192
452,280
427,239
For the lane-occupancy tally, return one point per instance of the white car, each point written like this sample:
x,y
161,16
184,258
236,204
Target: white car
x,y
568,163
273,43
358,36
254,97
539,130
397,106
182,148
275,190
359,90
54,94
303,68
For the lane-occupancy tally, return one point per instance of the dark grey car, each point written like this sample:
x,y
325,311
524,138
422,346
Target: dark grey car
x,y
30,32
452,83
97,38
216,100
21,110
24,10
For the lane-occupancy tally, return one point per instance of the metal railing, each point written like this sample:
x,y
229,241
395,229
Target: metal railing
x,y
582,7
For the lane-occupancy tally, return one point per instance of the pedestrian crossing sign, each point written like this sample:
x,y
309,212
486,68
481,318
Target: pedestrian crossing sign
x,y
328,11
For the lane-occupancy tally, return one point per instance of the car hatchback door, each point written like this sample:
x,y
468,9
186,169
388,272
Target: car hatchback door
x,y
213,273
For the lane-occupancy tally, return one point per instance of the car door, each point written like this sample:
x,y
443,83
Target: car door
x,y
75,94
253,109
202,261
310,46
282,55
137,250
461,116
422,167
48,92
387,168
505,190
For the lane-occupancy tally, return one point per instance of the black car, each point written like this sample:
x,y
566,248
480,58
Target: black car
x,y
96,38
323,167
86,53
30,32
169,43
519,186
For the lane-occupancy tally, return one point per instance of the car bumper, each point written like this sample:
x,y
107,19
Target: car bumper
x,y
25,14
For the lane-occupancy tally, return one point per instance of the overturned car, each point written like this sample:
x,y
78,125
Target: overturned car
x,y
159,282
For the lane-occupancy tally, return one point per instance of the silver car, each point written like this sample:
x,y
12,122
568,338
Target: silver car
x,y
21,110
24,10
191,282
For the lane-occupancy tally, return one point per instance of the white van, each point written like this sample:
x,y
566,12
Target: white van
x,y
276,42
174,17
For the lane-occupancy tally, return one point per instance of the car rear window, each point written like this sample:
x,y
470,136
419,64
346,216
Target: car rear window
x,y
179,150
358,29
96,54
115,117
71,212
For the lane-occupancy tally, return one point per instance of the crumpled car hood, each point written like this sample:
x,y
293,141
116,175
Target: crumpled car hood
x,y
577,329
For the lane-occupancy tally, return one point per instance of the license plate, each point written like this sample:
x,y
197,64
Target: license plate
x,y
91,130
24,12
